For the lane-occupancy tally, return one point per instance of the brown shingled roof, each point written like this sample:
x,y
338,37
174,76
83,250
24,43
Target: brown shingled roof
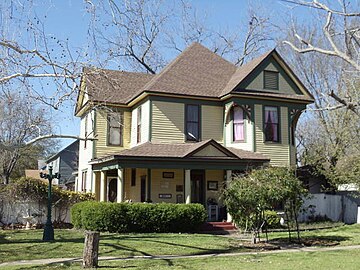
x,y
113,86
197,71
183,150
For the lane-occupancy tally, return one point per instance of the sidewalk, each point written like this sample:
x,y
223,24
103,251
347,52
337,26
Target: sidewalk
x,y
173,257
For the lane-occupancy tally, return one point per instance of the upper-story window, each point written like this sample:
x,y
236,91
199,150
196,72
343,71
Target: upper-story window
x,y
115,128
138,126
271,80
271,124
192,119
238,124
86,129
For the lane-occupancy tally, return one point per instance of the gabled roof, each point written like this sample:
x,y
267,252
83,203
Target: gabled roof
x,y
183,151
197,71
113,86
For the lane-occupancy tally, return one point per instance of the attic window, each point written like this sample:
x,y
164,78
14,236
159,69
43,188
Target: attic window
x,y
271,80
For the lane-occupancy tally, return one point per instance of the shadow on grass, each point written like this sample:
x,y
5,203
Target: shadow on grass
x,y
329,240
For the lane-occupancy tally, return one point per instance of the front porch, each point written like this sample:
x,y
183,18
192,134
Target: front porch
x,y
172,173
164,186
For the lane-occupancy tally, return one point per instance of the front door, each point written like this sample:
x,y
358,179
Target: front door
x,y
197,186
112,194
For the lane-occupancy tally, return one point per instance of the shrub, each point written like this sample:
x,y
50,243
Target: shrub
x,y
272,219
137,217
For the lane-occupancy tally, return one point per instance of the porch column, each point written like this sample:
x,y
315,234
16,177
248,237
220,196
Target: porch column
x,y
120,185
228,180
103,186
187,187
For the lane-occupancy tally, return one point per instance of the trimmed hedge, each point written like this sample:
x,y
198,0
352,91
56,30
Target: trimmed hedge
x,y
137,217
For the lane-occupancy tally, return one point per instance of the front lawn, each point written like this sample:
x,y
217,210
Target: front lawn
x,y
344,259
26,245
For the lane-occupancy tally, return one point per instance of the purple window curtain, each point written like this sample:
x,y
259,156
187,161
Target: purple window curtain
x,y
238,124
192,125
271,125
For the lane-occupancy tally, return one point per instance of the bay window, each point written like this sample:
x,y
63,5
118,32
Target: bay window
x,y
238,124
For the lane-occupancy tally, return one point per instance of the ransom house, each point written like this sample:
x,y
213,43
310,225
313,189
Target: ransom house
x,y
178,136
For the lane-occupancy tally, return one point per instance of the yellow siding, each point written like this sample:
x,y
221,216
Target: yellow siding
x,y
277,152
258,82
212,123
292,155
160,185
101,147
214,175
127,184
167,122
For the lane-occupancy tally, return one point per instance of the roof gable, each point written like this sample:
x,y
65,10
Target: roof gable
x,y
249,78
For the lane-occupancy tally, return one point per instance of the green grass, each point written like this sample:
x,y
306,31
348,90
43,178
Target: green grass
x,y
26,245
345,259
345,235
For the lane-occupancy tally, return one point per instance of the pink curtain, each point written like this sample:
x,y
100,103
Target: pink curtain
x,y
238,124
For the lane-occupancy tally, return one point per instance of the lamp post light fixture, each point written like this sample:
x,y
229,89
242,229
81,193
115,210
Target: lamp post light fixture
x,y
48,234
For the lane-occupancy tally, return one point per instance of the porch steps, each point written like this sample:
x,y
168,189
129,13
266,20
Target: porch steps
x,y
218,228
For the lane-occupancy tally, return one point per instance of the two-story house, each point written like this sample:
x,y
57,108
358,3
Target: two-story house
x,y
178,136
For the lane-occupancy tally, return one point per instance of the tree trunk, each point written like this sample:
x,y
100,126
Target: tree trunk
x,y
91,249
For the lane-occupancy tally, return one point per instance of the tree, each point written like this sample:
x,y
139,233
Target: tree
x,y
249,196
339,38
323,56
20,121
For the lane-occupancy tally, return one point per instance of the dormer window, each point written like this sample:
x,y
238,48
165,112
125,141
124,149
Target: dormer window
x,y
271,80
192,116
115,124
238,124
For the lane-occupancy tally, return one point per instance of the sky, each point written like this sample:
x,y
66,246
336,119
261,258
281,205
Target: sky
x,y
67,19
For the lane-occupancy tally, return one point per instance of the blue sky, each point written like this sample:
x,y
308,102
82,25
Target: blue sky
x,y
68,19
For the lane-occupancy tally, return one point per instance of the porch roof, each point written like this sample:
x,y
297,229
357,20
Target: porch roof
x,y
208,150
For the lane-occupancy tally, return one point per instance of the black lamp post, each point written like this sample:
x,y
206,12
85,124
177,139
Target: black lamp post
x,y
48,234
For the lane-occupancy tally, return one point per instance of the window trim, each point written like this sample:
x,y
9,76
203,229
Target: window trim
x,y
85,129
277,80
233,124
83,183
109,127
278,124
187,139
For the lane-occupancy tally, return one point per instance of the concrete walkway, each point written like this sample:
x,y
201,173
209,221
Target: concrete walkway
x,y
173,257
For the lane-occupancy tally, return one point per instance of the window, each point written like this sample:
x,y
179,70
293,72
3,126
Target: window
x,y
86,129
192,122
271,80
271,124
133,177
238,124
115,128
138,127
83,183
